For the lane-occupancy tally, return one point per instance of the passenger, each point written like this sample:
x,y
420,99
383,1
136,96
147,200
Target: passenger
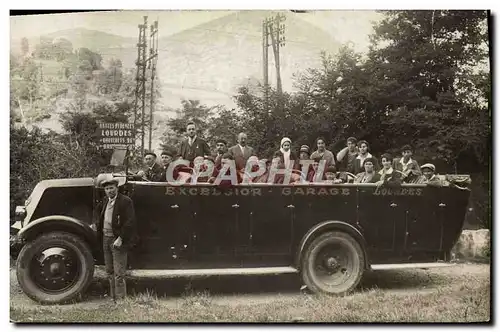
x,y
323,153
166,158
200,165
227,159
387,174
193,146
369,175
241,151
287,157
220,149
152,171
278,162
332,176
304,152
346,156
313,169
253,160
362,156
408,166
263,178
429,177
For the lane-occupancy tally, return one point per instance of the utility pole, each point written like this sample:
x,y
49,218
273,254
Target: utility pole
x,y
277,31
265,58
153,57
140,88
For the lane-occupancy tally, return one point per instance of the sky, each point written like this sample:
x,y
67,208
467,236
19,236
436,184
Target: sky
x,y
343,25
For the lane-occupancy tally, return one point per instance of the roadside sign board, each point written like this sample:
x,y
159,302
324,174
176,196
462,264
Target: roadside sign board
x,y
117,135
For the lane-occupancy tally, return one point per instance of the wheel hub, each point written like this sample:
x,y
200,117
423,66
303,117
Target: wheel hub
x,y
55,269
332,264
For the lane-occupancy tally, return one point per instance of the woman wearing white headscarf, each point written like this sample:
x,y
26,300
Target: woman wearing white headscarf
x,y
288,158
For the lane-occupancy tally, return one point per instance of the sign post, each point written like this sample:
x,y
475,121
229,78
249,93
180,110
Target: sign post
x,y
119,137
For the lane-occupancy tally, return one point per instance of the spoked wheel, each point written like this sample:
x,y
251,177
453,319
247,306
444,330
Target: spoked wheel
x,y
55,268
333,263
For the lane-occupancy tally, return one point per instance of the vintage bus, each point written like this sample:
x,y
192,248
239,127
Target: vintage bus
x,y
329,234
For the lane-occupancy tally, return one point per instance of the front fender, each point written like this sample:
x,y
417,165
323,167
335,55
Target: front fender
x,y
60,223
331,225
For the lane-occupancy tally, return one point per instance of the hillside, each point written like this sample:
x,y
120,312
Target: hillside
x,y
108,45
210,61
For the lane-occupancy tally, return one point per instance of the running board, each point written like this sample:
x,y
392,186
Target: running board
x,y
210,272
376,267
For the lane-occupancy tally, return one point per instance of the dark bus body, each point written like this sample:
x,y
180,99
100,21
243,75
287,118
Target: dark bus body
x,y
328,233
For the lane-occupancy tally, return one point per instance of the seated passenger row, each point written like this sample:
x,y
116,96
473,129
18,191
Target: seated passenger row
x,y
354,163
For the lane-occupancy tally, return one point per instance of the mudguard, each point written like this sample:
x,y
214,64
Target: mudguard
x,y
331,225
60,223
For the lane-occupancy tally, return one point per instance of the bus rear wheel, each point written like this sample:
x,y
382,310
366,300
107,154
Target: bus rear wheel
x,y
333,263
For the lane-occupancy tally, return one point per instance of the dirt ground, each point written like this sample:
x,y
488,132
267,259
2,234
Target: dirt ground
x,y
257,290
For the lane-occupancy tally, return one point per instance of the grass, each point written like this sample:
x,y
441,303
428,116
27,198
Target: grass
x,y
451,298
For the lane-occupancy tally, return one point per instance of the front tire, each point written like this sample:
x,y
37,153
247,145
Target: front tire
x,y
55,268
333,263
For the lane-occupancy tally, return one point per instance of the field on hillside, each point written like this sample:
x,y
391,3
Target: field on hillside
x,y
460,293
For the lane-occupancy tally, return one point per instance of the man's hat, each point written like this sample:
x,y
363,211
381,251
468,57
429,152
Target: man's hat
x,y
430,166
104,179
221,140
331,169
169,152
150,153
304,148
406,147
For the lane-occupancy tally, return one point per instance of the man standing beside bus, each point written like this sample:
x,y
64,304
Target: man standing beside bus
x,y
114,218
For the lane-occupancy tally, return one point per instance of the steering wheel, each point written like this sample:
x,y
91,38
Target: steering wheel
x,y
350,176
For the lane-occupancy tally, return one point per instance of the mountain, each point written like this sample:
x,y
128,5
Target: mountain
x,y
108,45
209,62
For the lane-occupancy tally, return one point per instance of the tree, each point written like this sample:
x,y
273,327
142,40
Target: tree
x,y
61,49
110,80
91,59
25,82
192,110
422,60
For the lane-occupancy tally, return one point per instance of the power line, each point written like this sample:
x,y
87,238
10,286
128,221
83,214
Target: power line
x,y
153,56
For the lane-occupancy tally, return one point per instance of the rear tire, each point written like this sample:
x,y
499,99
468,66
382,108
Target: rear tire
x,y
55,268
333,263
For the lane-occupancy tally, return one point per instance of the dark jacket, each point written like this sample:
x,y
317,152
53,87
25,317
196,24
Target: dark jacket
x,y
217,159
240,159
413,166
155,173
293,156
358,166
199,148
374,179
327,155
123,221
394,178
